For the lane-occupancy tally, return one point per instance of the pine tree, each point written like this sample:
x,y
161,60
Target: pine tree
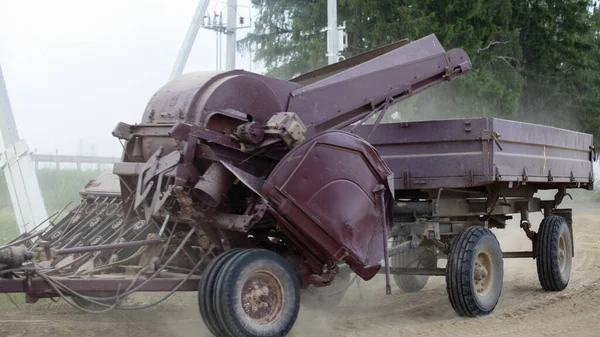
x,y
533,60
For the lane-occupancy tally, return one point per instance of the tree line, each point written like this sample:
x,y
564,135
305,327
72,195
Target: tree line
x,y
533,60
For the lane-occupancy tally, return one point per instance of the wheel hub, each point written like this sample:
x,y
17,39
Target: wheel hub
x,y
562,261
481,273
262,297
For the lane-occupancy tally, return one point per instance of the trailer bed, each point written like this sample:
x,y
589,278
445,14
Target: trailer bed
x,y
462,153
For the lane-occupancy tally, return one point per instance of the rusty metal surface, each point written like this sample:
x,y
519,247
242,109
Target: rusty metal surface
x,y
192,97
335,207
263,298
480,151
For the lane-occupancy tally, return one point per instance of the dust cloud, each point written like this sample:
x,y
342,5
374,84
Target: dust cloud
x,y
524,309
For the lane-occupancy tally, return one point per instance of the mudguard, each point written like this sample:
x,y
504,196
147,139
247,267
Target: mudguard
x,y
327,189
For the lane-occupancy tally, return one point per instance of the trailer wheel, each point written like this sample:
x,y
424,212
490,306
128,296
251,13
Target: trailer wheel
x,y
419,257
257,294
206,290
329,296
553,253
474,272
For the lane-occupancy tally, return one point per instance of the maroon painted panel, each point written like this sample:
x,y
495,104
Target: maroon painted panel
x,y
541,151
470,152
350,95
434,154
325,189
192,97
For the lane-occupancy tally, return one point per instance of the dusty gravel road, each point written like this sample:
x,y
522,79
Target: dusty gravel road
x,y
524,309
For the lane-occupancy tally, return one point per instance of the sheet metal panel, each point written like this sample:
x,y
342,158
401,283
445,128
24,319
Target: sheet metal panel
x,y
472,152
327,188
543,153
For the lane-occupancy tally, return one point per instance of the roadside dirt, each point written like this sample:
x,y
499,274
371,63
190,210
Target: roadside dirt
x,y
524,309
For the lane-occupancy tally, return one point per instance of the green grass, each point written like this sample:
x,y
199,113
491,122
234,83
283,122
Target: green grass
x,y
8,225
58,187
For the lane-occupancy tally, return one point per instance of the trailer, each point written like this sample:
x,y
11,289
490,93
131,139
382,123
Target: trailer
x,y
262,194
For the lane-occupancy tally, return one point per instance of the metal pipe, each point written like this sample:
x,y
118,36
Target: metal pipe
x,y
108,246
164,225
413,207
215,182
380,190
399,249
517,255
416,271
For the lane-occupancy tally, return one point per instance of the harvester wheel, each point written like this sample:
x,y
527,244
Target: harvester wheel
x,y
329,296
257,294
474,272
554,253
420,257
206,290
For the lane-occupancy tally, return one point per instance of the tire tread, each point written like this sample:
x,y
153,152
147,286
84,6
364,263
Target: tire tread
x,y
458,274
547,254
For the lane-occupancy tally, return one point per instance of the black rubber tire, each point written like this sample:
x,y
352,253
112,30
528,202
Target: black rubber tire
x,y
231,281
329,296
206,292
418,257
468,246
548,252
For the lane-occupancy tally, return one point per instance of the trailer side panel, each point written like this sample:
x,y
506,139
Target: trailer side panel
x,y
463,153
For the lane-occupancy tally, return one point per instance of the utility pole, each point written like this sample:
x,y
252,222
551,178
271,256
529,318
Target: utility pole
x,y
336,37
19,169
332,32
229,28
190,37
231,49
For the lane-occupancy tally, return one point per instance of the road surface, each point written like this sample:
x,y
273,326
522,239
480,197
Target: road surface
x,y
524,309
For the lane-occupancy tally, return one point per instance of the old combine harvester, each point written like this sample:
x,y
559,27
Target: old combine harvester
x,y
257,192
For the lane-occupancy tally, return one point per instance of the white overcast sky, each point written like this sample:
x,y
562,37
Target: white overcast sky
x,y
75,68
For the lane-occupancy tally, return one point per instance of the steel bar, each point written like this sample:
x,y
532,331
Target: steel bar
x,y
416,271
517,255
399,249
109,246
381,193
413,208
39,287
